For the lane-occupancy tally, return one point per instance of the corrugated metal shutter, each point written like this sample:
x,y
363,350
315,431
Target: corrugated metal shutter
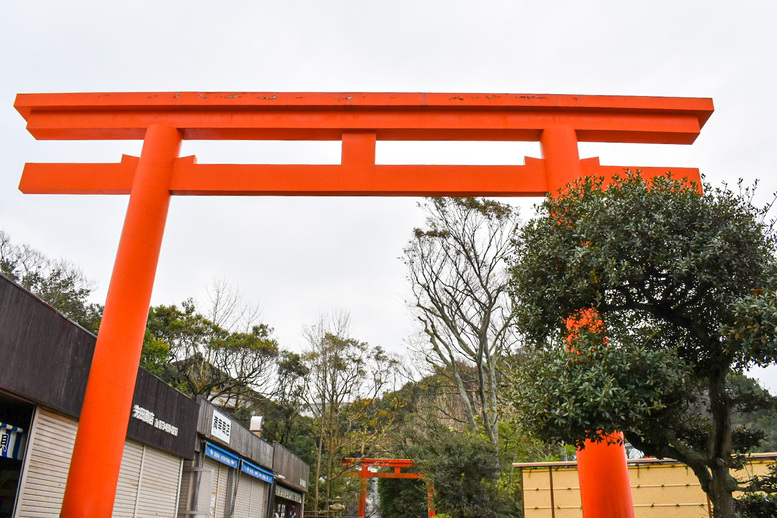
x,y
219,489
223,488
129,480
243,498
159,483
251,498
46,464
259,499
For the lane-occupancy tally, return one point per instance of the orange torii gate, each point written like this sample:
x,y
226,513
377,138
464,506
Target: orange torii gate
x,y
396,466
358,120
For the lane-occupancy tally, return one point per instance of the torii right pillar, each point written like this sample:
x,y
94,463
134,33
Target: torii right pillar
x,y
605,488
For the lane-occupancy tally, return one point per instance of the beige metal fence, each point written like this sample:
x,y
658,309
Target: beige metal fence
x,y
659,488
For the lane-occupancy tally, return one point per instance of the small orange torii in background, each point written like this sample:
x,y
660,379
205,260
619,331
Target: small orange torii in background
x,y
396,466
358,120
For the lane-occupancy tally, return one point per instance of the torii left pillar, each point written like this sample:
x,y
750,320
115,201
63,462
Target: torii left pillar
x,y
94,469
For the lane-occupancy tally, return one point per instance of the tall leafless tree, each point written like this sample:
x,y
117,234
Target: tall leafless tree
x,y
227,309
456,266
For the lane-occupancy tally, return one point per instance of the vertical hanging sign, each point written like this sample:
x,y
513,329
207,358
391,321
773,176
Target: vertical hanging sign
x,y
221,426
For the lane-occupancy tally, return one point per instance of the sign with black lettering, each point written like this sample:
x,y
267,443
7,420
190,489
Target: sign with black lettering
x,y
221,426
288,494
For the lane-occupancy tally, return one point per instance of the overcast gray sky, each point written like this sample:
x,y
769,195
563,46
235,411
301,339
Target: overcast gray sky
x,y
298,257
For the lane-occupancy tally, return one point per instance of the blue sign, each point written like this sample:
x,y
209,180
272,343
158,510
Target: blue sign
x,y
11,441
257,472
222,455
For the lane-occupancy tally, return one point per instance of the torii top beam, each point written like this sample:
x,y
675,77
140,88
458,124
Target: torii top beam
x,y
358,119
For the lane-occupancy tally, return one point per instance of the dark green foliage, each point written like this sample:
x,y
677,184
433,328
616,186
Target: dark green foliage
x,y
402,498
282,419
684,287
757,411
246,370
764,503
154,355
58,283
465,474
570,394
670,264
758,506
200,358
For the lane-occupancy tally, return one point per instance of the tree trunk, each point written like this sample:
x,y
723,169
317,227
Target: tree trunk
x,y
329,460
722,483
487,413
317,479
463,393
493,391
720,494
